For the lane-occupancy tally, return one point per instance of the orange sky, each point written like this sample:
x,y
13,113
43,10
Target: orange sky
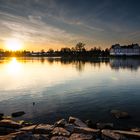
x,y
44,24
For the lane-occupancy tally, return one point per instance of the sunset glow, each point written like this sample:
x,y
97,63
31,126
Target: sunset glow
x,y
13,44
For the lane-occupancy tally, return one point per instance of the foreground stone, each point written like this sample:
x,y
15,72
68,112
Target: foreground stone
x,y
59,131
43,129
128,133
109,134
9,124
12,130
18,114
77,122
61,123
86,130
28,128
81,136
104,125
59,138
135,129
1,116
89,123
69,127
11,136
5,131
119,114
24,136
38,129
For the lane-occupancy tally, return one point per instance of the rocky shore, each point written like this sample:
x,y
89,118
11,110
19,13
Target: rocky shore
x,y
71,129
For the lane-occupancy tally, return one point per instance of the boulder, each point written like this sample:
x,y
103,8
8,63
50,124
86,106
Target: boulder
x,y
104,125
69,127
59,138
1,116
11,136
61,123
43,129
86,130
18,114
7,117
109,134
24,136
5,131
59,131
39,137
77,122
28,128
135,129
89,123
119,114
76,136
128,134
9,124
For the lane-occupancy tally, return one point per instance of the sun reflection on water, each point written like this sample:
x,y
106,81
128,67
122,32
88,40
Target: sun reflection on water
x,y
14,67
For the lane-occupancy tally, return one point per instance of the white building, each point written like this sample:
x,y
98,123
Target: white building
x,y
130,50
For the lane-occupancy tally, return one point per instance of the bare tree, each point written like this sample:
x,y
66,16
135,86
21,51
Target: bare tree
x,y
80,46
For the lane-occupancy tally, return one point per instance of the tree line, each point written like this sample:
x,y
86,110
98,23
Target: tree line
x,y
78,51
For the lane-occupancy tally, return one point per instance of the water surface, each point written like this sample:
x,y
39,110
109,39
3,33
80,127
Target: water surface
x,y
60,88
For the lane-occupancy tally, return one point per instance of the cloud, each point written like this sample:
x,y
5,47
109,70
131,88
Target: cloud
x,y
33,29
64,22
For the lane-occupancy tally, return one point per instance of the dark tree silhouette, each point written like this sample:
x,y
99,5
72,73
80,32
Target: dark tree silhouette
x,y
80,47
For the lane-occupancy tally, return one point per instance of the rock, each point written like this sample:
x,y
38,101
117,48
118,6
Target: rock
x,y
22,122
5,131
61,123
1,116
109,134
59,138
11,136
86,130
59,131
7,117
24,136
89,123
43,129
29,128
33,103
135,129
119,114
9,124
72,119
69,127
40,137
104,125
77,122
129,134
18,114
81,136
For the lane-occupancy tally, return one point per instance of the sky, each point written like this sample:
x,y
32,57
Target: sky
x,y
44,24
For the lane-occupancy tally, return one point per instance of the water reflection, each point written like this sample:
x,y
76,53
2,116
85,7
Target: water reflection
x,y
14,67
129,63
114,63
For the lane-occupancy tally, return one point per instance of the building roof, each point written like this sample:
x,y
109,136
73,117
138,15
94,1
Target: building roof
x,y
125,46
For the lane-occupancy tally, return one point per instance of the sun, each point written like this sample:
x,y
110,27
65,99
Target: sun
x,y
13,44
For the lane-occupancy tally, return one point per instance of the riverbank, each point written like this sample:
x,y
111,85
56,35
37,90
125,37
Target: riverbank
x,y
71,129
